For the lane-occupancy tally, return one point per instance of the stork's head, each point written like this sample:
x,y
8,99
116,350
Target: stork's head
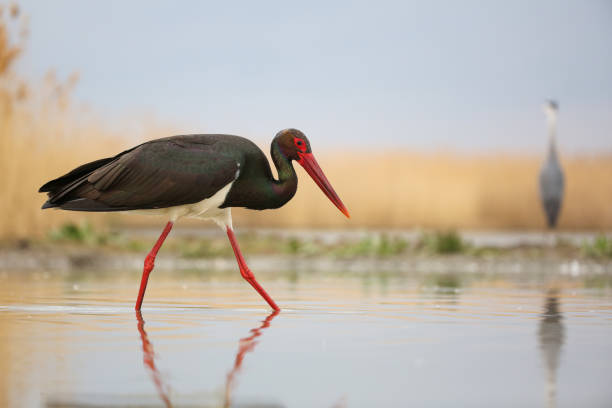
x,y
295,146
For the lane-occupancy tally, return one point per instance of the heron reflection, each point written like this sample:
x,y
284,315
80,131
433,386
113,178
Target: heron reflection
x,y
551,335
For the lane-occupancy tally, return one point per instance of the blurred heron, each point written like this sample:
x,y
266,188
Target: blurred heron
x,y
551,174
552,336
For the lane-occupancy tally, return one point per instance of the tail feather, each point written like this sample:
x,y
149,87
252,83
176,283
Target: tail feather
x,y
48,204
59,183
58,189
85,204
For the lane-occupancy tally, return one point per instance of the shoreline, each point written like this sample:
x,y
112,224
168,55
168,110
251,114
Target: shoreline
x,y
88,259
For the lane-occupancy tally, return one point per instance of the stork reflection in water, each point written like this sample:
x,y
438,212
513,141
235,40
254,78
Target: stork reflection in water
x,y
148,358
247,345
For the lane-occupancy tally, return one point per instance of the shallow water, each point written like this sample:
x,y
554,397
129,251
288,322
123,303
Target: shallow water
x,y
341,340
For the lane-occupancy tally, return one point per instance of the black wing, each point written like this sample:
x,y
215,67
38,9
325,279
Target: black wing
x,y
163,173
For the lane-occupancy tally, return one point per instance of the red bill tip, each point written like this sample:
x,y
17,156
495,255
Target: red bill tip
x,y
311,166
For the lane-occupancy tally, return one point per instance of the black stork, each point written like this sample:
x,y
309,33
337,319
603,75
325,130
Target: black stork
x,y
199,176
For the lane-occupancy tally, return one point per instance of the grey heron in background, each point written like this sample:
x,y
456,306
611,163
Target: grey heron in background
x,y
551,174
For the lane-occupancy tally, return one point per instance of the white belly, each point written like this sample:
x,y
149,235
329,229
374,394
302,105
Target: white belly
x,y
207,209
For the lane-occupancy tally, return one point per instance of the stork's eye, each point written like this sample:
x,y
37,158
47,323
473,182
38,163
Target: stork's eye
x,y
300,144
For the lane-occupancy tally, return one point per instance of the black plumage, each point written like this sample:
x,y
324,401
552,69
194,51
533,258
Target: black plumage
x,y
174,171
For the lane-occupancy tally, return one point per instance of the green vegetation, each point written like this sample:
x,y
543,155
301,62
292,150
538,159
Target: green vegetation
x,y
373,244
201,248
378,245
82,233
485,252
293,245
598,282
441,242
390,246
296,246
445,281
601,247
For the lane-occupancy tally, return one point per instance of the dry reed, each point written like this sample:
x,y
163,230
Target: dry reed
x,y
446,190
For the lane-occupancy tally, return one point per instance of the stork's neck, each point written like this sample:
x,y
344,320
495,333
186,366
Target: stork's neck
x,y
285,187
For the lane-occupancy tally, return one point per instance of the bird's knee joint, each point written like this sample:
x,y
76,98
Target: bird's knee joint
x,y
247,274
149,262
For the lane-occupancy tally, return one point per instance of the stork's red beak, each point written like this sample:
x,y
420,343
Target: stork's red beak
x,y
311,166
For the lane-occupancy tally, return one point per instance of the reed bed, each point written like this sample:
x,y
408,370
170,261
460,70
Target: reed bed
x,y
446,191
43,135
382,190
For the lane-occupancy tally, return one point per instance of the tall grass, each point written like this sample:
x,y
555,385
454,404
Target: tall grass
x,y
40,135
43,135
447,190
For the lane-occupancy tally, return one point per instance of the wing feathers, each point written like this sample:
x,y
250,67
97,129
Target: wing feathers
x,y
76,173
159,174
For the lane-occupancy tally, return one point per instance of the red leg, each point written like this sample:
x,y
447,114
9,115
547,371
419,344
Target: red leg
x,y
149,263
245,271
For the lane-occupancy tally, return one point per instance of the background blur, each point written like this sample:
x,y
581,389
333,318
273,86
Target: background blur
x,y
422,114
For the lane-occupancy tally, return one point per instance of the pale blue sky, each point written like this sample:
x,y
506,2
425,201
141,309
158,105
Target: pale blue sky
x,y
468,75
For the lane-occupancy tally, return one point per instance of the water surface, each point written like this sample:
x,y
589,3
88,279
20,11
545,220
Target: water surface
x,y
341,340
